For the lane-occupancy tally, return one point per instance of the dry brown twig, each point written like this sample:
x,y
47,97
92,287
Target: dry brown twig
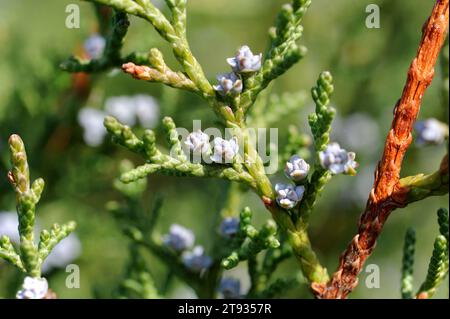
x,y
381,200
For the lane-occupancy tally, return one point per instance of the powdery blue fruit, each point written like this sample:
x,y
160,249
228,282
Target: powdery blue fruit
x,y
146,108
229,84
95,45
430,132
91,120
196,260
132,109
337,160
296,168
229,227
179,238
198,142
230,288
33,288
288,196
122,108
245,61
224,151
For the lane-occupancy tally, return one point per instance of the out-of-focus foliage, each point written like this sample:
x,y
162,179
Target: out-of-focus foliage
x,y
41,103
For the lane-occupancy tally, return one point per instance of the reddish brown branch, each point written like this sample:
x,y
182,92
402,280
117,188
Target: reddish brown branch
x,y
381,202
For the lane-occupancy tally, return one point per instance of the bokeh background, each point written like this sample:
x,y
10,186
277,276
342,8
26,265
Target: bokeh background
x,y
41,103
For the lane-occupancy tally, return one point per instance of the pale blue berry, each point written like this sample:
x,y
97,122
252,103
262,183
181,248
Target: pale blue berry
x,y
288,196
179,238
95,45
224,151
245,61
229,84
122,108
296,168
430,132
33,288
91,120
230,288
229,227
196,260
198,142
337,160
146,110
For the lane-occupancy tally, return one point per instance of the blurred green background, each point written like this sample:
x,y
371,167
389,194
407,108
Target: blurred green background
x,y
369,67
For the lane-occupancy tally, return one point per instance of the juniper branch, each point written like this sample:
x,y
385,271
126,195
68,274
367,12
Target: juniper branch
x,y
261,276
49,239
283,52
9,253
159,72
443,222
408,264
167,164
111,56
320,124
437,268
138,281
178,8
250,240
29,257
